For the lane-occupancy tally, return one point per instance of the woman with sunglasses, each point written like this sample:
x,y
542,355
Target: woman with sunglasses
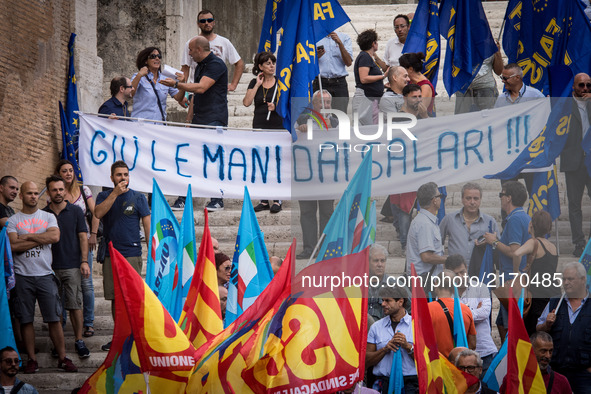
x,y
149,99
262,91
223,265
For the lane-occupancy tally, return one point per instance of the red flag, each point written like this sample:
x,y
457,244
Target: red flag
x,y
523,372
201,318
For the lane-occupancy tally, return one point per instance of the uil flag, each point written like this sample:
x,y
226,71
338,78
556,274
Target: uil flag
x,y
149,351
162,271
187,253
423,36
251,269
201,318
469,42
523,372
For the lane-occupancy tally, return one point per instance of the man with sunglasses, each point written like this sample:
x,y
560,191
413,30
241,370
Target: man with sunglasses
x,y
572,159
121,91
9,383
515,90
220,46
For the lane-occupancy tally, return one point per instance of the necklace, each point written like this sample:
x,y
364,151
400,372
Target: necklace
x,y
469,220
265,91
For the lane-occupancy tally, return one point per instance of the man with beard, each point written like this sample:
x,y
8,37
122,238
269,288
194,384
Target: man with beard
x,y
9,383
8,192
121,91
413,100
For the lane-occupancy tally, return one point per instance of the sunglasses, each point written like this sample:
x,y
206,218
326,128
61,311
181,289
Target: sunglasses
x,y
128,87
501,194
208,20
585,85
503,78
11,361
155,56
438,196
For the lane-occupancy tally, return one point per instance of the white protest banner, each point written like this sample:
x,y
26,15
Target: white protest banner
x,y
219,163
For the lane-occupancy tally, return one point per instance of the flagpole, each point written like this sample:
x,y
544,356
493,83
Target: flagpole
x,y
351,23
501,31
560,302
273,100
316,248
321,94
557,243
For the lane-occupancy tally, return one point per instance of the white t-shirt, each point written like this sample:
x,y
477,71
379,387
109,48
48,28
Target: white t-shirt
x,y
35,261
393,52
220,46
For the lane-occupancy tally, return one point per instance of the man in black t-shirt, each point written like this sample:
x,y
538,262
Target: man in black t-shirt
x,y
8,192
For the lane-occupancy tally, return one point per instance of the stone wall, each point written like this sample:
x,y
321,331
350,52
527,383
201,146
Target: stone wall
x,y
33,75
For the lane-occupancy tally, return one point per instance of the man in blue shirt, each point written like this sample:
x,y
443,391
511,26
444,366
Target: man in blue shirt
x,y
121,209
121,91
513,196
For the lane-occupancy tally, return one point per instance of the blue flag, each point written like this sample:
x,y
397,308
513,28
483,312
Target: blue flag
x,y
251,268
8,264
69,150
272,24
459,334
396,383
7,337
539,35
162,273
544,194
187,254
423,36
297,65
545,148
345,226
469,42
72,99
497,369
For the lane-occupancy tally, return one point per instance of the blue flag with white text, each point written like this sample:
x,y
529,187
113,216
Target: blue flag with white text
x,y
545,148
162,271
68,147
423,36
305,22
7,337
539,35
251,268
469,42
544,194
187,254
345,228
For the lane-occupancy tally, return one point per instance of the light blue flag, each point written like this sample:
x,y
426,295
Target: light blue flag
x,y
544,194
460,338
586,261
368,235
545,148
162,273
469,42
251,269
349,215
187,254
423,36
396,384
7,337
305,22
497,370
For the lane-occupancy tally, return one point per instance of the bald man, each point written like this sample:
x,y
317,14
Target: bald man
x,y
392,100
572,159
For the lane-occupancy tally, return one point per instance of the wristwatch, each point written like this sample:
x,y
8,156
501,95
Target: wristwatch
x,y
176,84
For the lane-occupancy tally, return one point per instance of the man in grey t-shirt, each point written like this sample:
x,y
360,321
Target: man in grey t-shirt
x,y
31,233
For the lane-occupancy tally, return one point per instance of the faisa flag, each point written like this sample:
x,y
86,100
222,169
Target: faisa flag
x,y
148,347
251,269
435,373
423,36
545,148
544,194
523,372
305,22
7,337
352,216
162,271
187,253
540,35
272,24
201,318
68,148
469,42
316,340
220,362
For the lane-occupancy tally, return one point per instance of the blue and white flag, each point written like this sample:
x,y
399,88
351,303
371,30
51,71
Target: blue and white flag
x,y
469,42
187,254
251,268
423,36
497,370
162,272
7,337
544,194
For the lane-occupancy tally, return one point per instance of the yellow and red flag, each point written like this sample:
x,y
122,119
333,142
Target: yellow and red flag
x,y
201,318
523,372
148,347
436,374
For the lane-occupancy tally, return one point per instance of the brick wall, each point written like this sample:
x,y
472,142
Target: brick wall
x,y
33,74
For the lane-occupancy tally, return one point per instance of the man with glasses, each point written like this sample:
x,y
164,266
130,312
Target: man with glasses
x,y
395,45
121,91
220,46
515,90
470,362
9,383
568,324
572,159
